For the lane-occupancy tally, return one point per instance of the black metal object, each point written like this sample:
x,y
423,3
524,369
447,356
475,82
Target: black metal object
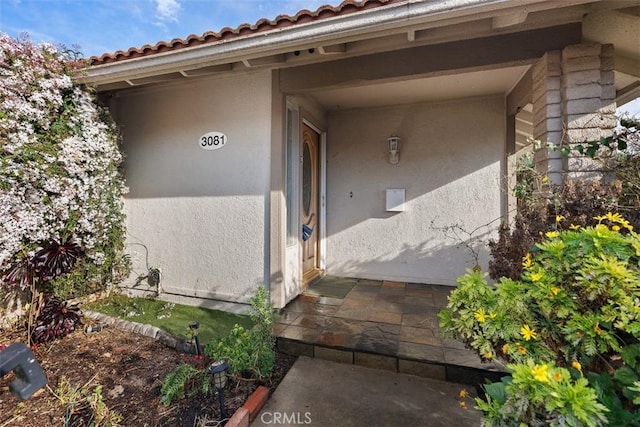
x,y
95,328
29,374
223,407
194,333
219,372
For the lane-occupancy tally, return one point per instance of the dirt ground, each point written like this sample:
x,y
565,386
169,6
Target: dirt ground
x,y
130,368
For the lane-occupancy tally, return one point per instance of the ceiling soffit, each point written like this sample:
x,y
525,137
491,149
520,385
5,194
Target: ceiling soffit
x,y
430,60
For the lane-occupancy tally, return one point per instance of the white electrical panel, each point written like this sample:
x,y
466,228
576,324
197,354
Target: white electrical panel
x,y
395,199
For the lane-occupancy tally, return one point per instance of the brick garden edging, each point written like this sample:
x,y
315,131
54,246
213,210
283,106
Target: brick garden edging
x,y
251,408
239,419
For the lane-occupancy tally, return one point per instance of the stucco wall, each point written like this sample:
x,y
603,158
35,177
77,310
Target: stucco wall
x,y
450,166
200,214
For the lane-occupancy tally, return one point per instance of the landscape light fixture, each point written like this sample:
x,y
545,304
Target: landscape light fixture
x,y
394,150
28,374
219,372
194,333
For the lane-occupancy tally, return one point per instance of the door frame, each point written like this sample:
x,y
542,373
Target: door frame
x,y
295,116
322,196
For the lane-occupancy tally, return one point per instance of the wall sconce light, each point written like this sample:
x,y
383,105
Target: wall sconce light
x,y
394,150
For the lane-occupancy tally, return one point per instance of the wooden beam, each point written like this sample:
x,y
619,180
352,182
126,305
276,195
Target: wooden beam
x,y
155,79
628,93
212,69
510,20
265,60
511,134
627,65
421,61
520,95
333,49
524,127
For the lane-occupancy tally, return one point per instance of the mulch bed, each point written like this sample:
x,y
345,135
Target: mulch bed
x,y
130,368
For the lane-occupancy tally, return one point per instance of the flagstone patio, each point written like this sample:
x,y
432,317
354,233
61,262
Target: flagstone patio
x,y
380,324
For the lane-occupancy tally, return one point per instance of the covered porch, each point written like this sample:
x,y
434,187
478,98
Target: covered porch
x,y
379,324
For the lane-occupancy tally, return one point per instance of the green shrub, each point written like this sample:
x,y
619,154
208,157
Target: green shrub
x,y
61,183
575,203
185,378
617,189
249,353
576,307
541,395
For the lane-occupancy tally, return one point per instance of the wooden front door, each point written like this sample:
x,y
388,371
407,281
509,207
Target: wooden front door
x,y
309,208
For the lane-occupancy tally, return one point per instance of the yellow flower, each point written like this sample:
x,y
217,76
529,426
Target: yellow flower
x,y
505,349
480,315
488,355
536,276
554,290
577,365
522,350
559,218
552,234
574,227
545,178
616,217
463,393
557,376
613,217
526,261
463,404
540,373
528,333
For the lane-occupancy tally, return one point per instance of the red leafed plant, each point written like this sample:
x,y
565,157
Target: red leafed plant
x,y
52,318
56,319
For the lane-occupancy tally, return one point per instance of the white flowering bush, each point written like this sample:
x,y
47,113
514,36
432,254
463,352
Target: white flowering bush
x,y
60,184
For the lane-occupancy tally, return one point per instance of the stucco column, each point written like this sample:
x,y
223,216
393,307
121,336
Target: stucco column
x,y
573,103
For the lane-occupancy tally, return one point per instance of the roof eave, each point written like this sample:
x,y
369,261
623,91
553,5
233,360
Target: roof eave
x,y
328,31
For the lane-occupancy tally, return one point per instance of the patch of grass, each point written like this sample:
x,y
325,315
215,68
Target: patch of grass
x,y
173,318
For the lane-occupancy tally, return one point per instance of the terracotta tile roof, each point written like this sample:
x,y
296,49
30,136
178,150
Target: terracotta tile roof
x,y
263,25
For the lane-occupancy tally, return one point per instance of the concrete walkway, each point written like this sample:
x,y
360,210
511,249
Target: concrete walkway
x,y
318,392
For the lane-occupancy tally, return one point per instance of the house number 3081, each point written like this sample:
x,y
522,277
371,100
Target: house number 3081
x,y
213,140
